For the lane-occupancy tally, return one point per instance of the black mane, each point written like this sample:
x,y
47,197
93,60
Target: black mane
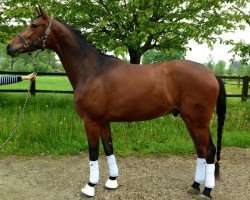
x,y
81,37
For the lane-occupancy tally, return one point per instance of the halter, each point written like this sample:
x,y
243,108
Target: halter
x,y
42,39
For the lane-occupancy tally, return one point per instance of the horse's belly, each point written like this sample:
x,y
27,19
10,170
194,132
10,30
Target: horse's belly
x,y
140,105
138,112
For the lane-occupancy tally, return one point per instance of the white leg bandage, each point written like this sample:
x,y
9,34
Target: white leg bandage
x,y
200,170
210,178
94,172
113,169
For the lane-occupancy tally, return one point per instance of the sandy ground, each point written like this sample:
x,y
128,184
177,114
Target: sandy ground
x,y
151,177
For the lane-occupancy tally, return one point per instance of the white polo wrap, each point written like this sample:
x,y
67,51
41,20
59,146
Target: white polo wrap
x,y
94,172
210,177
113,169
200,170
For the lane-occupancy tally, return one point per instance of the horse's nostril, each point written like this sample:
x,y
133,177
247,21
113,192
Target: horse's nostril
x,y
8,49
8,46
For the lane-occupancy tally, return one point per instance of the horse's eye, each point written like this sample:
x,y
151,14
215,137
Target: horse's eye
x,y
34,26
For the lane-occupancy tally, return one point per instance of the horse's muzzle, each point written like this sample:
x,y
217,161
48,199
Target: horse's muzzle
x,y
9,51
13,50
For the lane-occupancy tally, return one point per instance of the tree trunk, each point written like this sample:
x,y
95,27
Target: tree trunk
x,y
135,56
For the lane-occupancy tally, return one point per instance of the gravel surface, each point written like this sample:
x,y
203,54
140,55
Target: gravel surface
x,y
151,177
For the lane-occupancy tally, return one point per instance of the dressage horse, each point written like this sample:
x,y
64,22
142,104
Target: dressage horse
x,y
107,89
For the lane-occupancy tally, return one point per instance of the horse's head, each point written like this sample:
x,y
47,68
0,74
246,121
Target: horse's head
x,y
34,36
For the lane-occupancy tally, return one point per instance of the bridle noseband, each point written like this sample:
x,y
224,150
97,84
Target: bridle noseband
x,y
39,40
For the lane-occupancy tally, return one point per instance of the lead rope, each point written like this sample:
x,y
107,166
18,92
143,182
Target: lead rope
x,y
20,116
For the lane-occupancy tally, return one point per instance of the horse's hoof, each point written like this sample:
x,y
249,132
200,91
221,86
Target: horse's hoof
x,y
202,197
111,184
193,191
88,191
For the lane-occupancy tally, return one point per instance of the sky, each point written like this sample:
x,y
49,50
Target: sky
x,y
200,53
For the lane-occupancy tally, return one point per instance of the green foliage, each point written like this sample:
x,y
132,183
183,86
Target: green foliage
x,y
230,71
242,50
46,62
210,62
134,26
247,70
155,55
220,67
240,70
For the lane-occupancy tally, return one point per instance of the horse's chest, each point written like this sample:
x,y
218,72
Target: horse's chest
x,y
90,103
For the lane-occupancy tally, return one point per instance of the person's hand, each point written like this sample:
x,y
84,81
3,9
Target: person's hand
x,y
30,76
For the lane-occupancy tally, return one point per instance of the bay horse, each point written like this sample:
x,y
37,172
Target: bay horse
x,y
107,89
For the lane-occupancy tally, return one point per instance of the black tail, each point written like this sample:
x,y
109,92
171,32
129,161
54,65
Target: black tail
x,y
221,112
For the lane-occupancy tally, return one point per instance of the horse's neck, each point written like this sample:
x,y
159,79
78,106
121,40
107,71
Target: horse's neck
x,y
78,58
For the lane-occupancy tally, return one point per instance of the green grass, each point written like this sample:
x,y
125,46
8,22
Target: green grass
x,y
51,126
233,88
44,83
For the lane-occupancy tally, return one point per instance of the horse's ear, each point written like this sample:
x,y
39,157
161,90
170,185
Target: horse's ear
x,y
38,12
42,12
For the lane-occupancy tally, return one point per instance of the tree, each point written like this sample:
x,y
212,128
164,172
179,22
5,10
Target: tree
x,y
242,49
219,68
247,70
139,25
230,70
6,62
241,70
210,62
155,55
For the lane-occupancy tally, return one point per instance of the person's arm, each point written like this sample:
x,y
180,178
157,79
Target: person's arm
x,y
4,80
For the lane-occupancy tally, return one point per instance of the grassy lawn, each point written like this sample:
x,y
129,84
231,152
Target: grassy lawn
x,y
51,126
233,88
44,83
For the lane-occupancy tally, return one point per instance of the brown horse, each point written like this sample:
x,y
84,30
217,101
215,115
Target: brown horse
x,y
107,89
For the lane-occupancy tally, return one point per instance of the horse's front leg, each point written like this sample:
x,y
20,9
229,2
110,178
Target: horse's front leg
x,y
109,151
93,131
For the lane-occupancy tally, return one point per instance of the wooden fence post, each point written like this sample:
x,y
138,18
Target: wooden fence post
x,y
245,88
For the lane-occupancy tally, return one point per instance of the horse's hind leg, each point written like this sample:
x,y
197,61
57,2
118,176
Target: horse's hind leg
x,y
205,168
109,152
210,169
